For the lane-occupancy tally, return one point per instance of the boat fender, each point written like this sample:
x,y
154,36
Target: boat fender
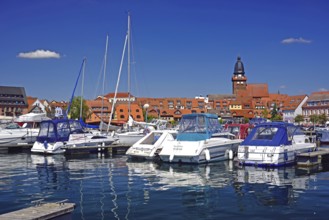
x,y
207,154
171,157
230,154
45,144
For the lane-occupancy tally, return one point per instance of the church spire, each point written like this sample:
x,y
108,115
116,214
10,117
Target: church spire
x,y
238,68
239,80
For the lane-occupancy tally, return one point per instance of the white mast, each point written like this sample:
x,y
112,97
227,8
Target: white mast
x,y
83,79
117,85
129,110
104,74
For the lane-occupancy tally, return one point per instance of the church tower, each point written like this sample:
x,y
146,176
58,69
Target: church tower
x,y
239,80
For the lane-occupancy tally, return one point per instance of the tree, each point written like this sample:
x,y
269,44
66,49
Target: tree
x,y
76,106
299,119
265,113
322,119
275,116
314,119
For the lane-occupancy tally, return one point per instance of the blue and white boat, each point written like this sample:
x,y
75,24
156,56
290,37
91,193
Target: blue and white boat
x,y
57,135
200,140
274,144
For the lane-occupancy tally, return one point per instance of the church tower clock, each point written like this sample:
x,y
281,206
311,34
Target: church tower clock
x,y
239,80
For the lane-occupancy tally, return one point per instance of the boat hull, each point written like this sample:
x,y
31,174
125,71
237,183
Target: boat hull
x,y
48,148
21,137
128,139
198,152
272,156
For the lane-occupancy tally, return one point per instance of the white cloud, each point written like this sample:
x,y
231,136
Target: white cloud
x,y
39,54
283,86
296,40
323,90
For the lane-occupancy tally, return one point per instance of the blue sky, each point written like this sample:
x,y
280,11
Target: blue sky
x,y
181,48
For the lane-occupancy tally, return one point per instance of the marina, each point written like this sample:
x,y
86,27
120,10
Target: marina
x,y
109,186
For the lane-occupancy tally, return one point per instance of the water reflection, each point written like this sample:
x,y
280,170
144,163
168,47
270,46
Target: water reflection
x,y
275,186
109,187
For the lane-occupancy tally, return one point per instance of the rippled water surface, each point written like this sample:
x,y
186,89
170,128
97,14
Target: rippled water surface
x,y
110,187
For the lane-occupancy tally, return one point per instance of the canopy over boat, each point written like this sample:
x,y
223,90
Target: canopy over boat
x,y
58,130
272,134
196,127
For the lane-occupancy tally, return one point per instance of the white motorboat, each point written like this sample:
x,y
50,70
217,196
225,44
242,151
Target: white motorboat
x,y
22,132
273,144
200,140
148,147
140,129
57,135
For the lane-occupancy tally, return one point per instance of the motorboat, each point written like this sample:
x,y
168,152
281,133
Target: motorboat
x,y
57,135
322,135
148,147
134,131
200,139
274,144
22,131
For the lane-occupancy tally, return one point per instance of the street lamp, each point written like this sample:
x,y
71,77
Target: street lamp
x,y
145,107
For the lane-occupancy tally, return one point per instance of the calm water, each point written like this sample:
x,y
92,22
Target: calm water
x,y
109,187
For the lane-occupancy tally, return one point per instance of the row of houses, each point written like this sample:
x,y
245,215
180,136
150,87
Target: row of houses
x,y
248,100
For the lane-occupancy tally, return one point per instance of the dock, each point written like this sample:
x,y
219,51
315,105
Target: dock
x,y
113,148
41,211
313,158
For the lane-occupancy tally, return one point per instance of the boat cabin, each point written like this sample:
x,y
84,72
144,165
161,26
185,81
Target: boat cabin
x,y
199,126
58,130
273,134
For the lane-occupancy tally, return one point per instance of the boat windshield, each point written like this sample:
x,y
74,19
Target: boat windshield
x,y
197,127
265,133
76,126
47,130
199,124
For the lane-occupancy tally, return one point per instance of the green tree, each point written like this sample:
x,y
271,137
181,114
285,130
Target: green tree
x,y
314,119
265,113
299,119
76,107
275,116
323,119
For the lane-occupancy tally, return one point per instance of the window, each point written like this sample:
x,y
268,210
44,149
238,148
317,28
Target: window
x,y
121,110
122,116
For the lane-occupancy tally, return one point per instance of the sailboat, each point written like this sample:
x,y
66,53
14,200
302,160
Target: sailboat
x,y
59,136
129,137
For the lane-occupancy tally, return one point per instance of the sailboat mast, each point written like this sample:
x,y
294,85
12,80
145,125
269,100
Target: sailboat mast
x,y
129,107
83,79
104,74
118,82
